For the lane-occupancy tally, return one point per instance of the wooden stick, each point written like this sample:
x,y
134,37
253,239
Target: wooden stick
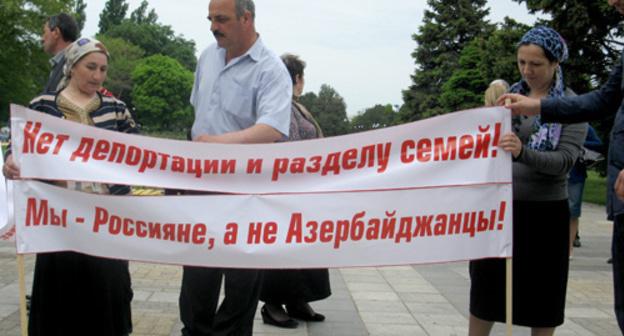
x,y
509,281
509,297
22,294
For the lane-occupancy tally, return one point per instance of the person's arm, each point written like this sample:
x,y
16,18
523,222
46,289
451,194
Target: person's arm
x,y
560,160
258,133
594,105
10,169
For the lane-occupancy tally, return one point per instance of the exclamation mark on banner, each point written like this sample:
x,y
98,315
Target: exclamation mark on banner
x,y
501,215
497,130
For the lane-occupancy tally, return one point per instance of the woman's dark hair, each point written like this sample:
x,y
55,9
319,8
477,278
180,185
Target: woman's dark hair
x,y
294,65
547,53
66,25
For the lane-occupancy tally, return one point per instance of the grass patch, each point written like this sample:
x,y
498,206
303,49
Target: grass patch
x,y
595,188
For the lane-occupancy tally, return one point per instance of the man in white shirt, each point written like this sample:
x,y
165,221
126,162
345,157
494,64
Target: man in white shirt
x,y
242,94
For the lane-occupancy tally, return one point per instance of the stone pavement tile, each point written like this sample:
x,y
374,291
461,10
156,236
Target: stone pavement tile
x,y
141,295
423,297
333,303
361,275
415,288
594,326
385,329
572,327
9,293
342,316
266,330
431,308
448,319
379,296
10,325
336,329
7,310
171,297
387,317
436,330
376,306
368,287
585,312
153,323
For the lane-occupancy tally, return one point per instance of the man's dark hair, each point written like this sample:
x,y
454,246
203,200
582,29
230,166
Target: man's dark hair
x,y
295,66
66,25
245,5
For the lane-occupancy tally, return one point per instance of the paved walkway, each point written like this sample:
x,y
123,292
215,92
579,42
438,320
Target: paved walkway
x,y
408,300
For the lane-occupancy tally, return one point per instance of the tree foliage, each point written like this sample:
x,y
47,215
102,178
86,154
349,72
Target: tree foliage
x,y
24,66
124,58
329,110
113,13
141,15
481,61
378,116
79,14
448,26
161,92
155,38
593,34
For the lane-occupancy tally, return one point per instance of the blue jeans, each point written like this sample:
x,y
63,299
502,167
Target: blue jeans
x,y
617,251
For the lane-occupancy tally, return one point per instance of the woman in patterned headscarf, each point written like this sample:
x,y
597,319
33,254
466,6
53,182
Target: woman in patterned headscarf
x,y
74,293
543,154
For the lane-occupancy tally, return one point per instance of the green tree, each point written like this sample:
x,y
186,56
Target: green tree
x,y
499,51
464,90
113,13
378,116
481,61
448,26
24,66
162,88
140,15
79,14
124,58
329,110
593,34
155,38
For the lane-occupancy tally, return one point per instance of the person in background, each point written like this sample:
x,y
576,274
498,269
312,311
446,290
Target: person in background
x,y
74,293
59,31
576,185
295,288
241,95
496,88
543,154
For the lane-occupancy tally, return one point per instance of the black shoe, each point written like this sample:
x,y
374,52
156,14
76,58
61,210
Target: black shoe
x,y
577,241
268,319
610,261
304,312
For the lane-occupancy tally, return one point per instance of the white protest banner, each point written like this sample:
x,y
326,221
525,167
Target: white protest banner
x,y
454,149
7,231
392,227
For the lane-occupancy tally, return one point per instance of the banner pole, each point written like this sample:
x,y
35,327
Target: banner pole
x,y
509,297
22,294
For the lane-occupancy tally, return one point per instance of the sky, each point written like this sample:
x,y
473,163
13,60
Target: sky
x,y
361,48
